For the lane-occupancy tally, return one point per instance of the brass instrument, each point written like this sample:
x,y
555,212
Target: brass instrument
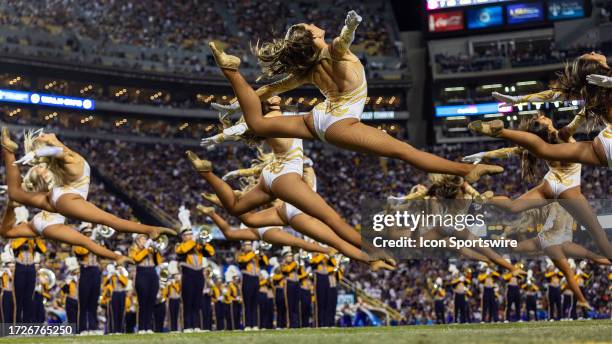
x,y
204,235
261,245
164,275
102,232
387,311
161,243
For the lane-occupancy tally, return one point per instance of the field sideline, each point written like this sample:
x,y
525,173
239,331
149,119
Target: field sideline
x,y
540,332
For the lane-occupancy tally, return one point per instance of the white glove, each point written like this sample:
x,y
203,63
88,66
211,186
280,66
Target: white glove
x,y
213,140
25,159
506,98
236,130
352,19
183,216
599,80
474,158
226,109
230,175
21,214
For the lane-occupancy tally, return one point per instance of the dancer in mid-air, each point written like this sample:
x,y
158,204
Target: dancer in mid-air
x,y
281,178
588,79
69,174
49,225
304,57
562,182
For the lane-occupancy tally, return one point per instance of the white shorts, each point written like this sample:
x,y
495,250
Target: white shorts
x,y
605,137
560,185
276,169
291,211
80,187
45,219
262,230
342,107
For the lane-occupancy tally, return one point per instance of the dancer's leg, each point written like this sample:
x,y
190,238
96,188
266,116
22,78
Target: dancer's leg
x,y
292,189
319,231
277,236
74,206
69,235
229,232
558,258
574,250
526,246
578,206
265,218
356,136
534,198
582,152
13,181
9,230
285,126
487,251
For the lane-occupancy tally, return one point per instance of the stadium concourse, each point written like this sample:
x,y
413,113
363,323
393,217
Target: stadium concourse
x,y
129,87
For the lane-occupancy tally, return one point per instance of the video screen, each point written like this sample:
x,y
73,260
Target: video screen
x,y
446,21
485,17
565,9
525,13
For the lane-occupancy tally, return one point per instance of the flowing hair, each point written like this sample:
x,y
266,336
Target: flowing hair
x,y
530,164
34,181
31,144
293,54
572,84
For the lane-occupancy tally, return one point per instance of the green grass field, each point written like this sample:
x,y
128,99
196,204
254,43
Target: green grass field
x,y
541,332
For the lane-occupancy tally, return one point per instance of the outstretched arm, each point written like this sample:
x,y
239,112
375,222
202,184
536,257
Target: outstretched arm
x,y
569,130
544,96
342,43
502,153
285,84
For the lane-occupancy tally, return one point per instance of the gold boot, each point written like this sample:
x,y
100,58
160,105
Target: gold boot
x,y
584,305
199,164
205,210
212,198
223,60
7,143
480,170
491,128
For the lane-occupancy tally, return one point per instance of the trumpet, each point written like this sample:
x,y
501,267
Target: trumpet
x,y
49,276
204,235
102,232
160,244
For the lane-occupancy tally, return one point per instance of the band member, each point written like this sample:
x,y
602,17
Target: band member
x,y
488,299
249,262
553,276
159,310
227,299
206,313
289,269
232,277
218,295
460,288
513,297
173,290
191,253
42,294
114,285
278,282
69,290
131,308
24,251
265,304
146,254
335,276
321,285
439,294
6,277
305,297
90,279
531,298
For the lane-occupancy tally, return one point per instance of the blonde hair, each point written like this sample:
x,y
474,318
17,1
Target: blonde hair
x,y
31,144
34,181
